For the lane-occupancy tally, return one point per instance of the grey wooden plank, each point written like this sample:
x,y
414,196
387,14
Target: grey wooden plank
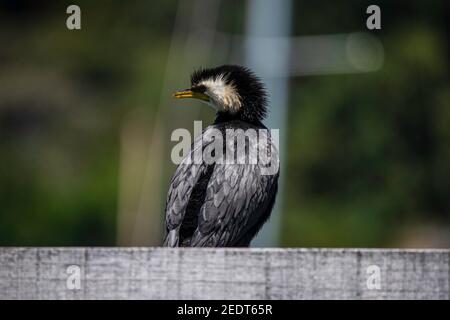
x,y
225,273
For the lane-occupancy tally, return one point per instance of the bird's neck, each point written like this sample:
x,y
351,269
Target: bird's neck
x,y
222,117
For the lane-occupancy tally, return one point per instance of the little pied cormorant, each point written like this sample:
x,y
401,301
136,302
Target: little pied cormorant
x,y
222,204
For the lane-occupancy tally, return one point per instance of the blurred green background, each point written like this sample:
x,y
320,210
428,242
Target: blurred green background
x,y
86,117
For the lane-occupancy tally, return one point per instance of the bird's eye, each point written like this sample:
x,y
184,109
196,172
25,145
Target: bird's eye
x,y
199,88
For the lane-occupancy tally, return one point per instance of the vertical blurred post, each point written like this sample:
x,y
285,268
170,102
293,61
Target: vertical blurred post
x,y
268,20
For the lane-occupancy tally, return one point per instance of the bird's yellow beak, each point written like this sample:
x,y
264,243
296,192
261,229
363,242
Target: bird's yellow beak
x,y
190,94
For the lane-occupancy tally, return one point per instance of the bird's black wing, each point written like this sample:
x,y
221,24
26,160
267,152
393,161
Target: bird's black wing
x,y
239,198
183,182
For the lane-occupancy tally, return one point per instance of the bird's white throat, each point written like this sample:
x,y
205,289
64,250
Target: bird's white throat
x,y
223,95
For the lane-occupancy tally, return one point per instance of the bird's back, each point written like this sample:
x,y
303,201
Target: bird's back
x,y
223,200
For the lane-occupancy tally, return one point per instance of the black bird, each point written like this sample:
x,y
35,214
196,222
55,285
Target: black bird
x,y
221,204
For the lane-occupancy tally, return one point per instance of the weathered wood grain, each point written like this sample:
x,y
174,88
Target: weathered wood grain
x,y
161,273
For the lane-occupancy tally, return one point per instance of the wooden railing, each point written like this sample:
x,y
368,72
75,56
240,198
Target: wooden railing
x,y
161,273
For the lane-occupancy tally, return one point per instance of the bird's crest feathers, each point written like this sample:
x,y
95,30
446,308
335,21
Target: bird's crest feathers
x,y
237,88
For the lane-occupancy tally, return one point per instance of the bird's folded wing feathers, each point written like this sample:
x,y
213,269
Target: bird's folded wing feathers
x,y
183,182
181,185
233,192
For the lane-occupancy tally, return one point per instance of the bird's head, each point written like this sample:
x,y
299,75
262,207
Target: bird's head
x,y
234,91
